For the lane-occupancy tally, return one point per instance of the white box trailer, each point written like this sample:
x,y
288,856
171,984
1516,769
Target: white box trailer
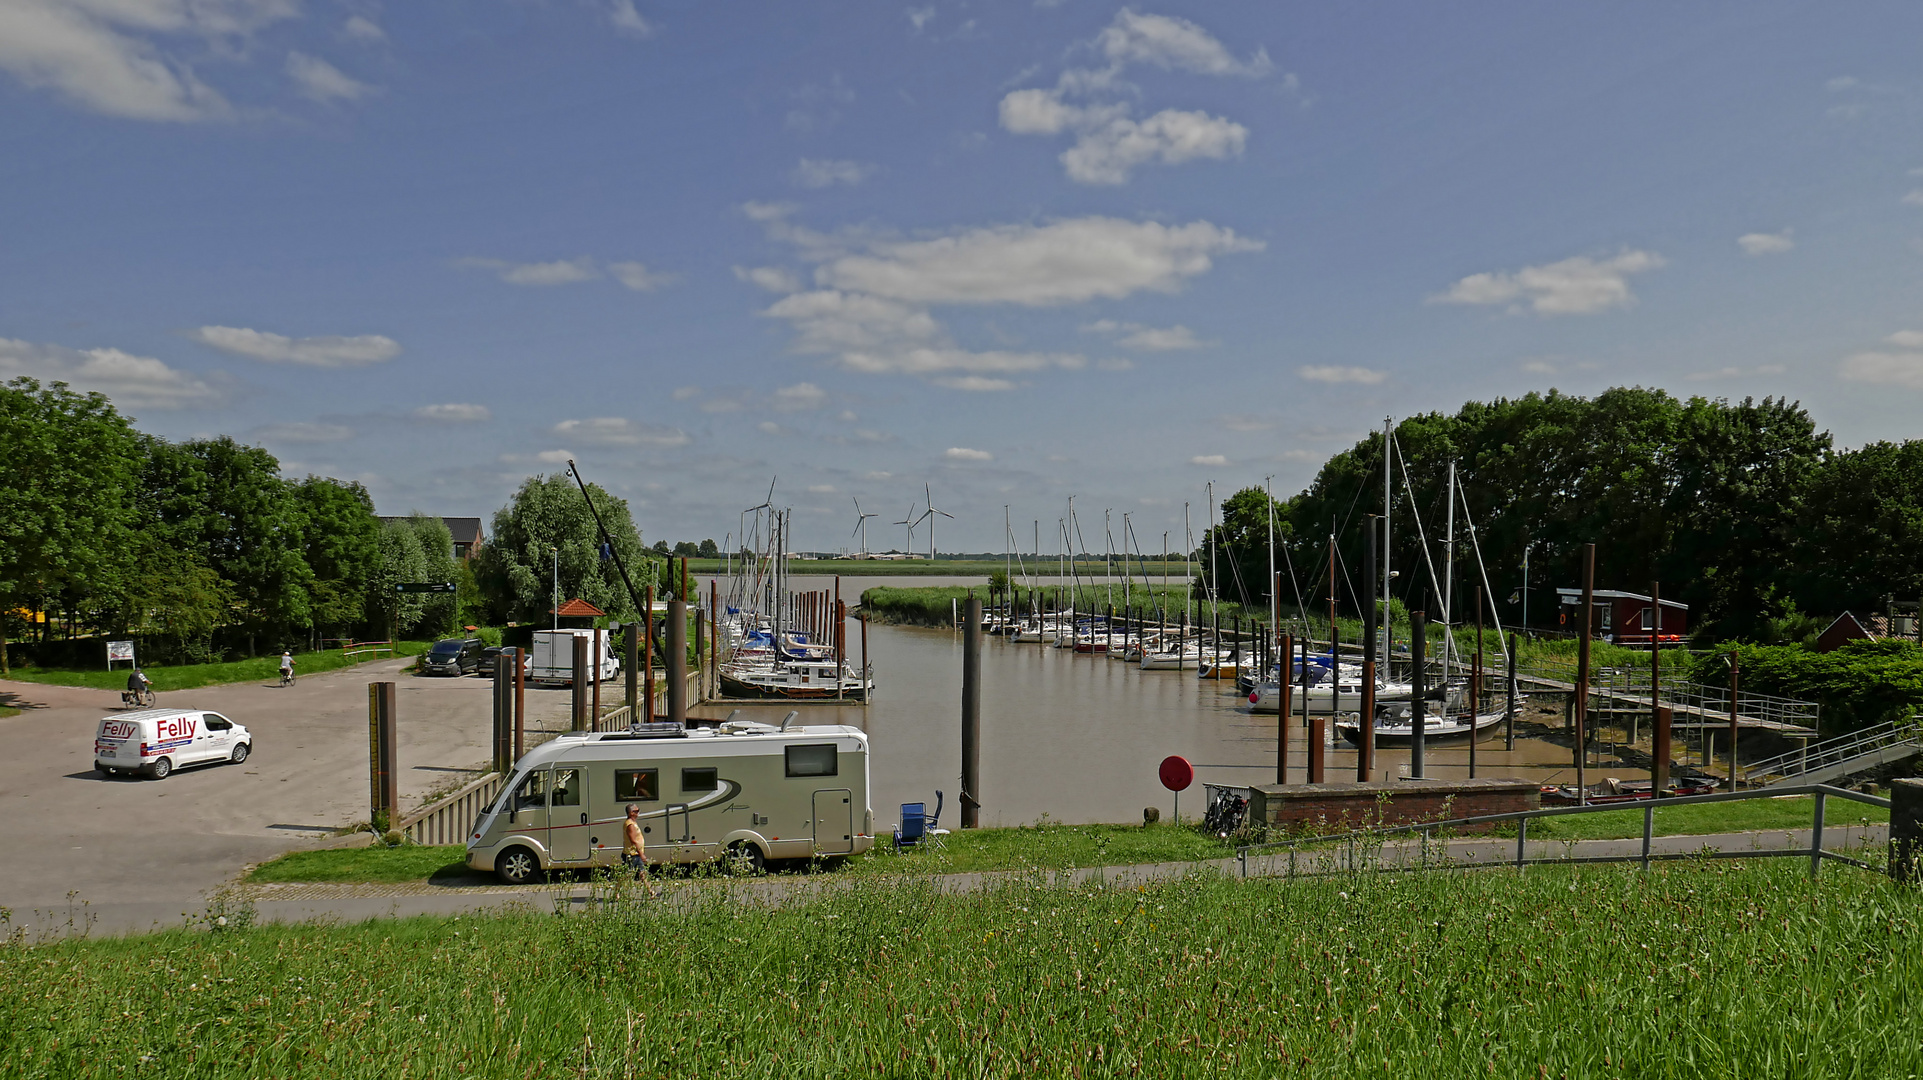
x,y
551,657
745,789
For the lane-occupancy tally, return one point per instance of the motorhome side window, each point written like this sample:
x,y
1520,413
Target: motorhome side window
x,y
698,779
637,785
816,760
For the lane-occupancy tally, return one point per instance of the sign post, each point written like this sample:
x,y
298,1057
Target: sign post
x,y
118,651
1176,774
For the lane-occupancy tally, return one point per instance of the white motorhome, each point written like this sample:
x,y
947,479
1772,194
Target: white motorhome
x,y
746,790
551,657
155,742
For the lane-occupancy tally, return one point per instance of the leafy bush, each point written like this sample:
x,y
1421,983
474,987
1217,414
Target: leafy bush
x,y
1862,684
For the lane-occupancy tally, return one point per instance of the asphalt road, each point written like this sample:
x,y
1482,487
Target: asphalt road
x,y
142,851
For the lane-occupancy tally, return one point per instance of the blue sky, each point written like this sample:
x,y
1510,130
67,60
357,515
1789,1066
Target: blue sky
x,y
1011,251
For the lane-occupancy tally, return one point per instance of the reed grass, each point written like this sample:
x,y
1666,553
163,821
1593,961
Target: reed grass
x,y
1691,969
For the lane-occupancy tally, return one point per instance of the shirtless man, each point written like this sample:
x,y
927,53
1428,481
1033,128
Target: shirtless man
x,y
634,850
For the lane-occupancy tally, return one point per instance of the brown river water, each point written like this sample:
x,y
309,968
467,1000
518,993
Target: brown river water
x,y
1077,737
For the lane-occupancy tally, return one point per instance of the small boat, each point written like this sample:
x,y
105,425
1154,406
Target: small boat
x,y
1397,728
1613,790
796,680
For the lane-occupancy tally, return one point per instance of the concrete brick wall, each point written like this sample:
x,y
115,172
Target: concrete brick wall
x,y
1342,807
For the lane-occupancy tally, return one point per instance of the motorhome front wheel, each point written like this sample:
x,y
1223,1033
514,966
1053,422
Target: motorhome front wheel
x,y
518,866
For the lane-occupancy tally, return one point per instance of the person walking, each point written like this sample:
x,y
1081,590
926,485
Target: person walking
x,y
634,849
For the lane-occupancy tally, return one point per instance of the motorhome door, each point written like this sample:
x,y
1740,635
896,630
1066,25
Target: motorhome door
x,y
569,838
528,807
834,822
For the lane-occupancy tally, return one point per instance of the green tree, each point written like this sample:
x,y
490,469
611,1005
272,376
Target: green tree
x,y
401,560
548,513
68,468
1859,534
710,550
237,513
341,544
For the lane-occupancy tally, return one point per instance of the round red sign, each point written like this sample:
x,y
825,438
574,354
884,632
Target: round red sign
x,y
1176,773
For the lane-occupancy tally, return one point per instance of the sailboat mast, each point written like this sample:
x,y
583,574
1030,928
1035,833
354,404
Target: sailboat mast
x,y
1449,576
1388,503
1275,594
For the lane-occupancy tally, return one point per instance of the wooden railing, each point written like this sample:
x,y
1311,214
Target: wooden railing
x,y
447,820
368,648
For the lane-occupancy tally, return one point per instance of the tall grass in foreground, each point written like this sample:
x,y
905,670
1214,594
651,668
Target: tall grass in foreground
x,y
1714,969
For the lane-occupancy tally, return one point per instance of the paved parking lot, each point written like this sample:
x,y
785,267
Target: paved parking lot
x,y
142,851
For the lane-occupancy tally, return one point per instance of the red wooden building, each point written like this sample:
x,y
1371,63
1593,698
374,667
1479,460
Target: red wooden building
x,y
1625,618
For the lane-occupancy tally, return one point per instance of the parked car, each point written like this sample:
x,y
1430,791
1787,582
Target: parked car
x,y
453,656
489,654
155,742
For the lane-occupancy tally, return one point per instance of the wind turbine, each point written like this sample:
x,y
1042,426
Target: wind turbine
x,y
861,526
928,515
911,521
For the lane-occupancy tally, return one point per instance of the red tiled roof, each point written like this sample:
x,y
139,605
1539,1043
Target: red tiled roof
x,y
579,609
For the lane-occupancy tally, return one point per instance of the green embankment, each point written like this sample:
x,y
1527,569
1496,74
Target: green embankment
x,y
1745,968
192,676
1052,846
946,568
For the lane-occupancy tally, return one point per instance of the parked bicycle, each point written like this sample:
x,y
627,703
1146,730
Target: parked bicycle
x,y
1225,812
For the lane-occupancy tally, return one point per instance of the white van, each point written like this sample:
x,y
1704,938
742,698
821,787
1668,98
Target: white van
x,y
155,742
551,657
747,790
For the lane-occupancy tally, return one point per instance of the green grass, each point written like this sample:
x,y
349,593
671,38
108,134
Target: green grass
x,y
7,710
1726,969
1751,815
406,863
1047,846
191,676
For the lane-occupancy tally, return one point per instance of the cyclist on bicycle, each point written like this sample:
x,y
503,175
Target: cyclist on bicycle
x,y
138,683
286,667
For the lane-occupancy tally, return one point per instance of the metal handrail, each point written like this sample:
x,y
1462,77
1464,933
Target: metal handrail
x,y
1840,749
1814,852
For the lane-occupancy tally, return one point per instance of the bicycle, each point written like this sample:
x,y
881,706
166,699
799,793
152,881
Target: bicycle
x,y
137,699
1225,812
287,676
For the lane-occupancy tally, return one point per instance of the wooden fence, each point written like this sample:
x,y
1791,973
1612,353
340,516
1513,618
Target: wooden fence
x,y
448,820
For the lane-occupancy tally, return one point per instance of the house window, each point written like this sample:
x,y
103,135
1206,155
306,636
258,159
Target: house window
x,y
1649,621
698,780
818,759
637,785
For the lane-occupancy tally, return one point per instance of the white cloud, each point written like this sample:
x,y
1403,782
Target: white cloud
x,y
633,275
318,80
302,432
1212,460
766,211
1903,369
800,397
362,28
1064,262
920,17
871,309
1147,338
769,427
1908,339
131,381
638,277
324,352
1914,198
821,173
559,272
1733,372
775,279
624,18
978,384
105,55
963,453
453,413
821,489
1247,422
1576,286
620,431
1841,83
1766,243
1110,143
1108,154
683,393
1169,42
1336,373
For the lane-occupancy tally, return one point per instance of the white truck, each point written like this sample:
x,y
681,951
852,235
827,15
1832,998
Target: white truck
x,y
551,657
745,790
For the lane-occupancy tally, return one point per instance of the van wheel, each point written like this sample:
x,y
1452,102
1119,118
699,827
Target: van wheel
x,y
745,858
105,772
161,769
518,866
241,750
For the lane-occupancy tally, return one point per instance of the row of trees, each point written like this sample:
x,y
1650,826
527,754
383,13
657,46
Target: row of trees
x,y
1745,511
204,549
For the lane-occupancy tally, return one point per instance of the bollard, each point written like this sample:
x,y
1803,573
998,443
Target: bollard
x,y
701,650
1906,829
1282,688
520,701
594,661
631,669
1418,707
503,744
971,709
578,720
1659,753
382,750
675,663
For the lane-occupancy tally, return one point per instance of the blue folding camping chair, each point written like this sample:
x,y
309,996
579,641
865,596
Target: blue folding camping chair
x,y
918,826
